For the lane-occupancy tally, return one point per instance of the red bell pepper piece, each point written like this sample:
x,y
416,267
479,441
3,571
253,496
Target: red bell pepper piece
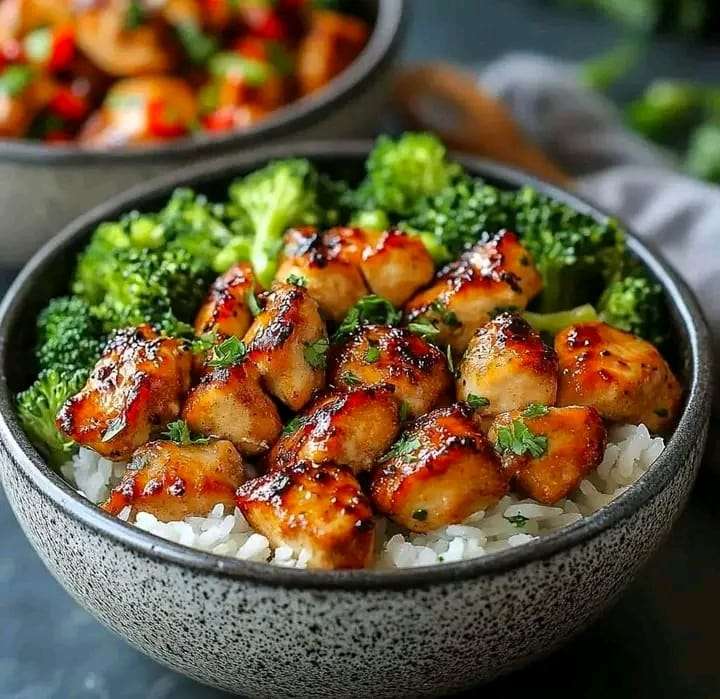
x,y
162,125
222,119
67,105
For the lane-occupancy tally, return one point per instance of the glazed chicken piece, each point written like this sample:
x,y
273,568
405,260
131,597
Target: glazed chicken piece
x,y
102,33
395,265
440,472
621,375
378,354
332,43
334,283
497,274
507,366
142,110
563,446
288,343
171,480
230,403
318,508
134,391
225,311
352,429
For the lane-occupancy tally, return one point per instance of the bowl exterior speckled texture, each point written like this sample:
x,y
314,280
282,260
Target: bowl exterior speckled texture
x,y
269,641
262,631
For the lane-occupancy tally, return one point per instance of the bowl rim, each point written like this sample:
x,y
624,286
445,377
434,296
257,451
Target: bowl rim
x,y
687,435
383,44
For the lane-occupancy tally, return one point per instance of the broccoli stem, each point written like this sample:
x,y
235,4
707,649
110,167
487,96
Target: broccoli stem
x,y
553,323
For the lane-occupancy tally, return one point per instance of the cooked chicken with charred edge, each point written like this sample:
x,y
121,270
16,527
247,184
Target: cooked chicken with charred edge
x,y
172,481
440,472
621,375
287,342
378,354
320,508
352,428
507,366
560,446
226,311
497,274
334,283
394,264
229,402
134,391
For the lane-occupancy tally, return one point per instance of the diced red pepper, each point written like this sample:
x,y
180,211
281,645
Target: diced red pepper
x,y
222,119
267,24
67,105
159,123
252,47
63,49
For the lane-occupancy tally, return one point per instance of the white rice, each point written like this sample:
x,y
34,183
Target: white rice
x,y
511,522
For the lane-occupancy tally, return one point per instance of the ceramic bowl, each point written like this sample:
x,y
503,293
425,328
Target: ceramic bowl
x,y
263,631
42,188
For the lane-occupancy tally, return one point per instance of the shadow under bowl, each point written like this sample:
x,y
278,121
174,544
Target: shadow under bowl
x,y
260,630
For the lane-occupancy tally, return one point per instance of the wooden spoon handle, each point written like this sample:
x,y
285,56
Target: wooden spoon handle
x,y
446,100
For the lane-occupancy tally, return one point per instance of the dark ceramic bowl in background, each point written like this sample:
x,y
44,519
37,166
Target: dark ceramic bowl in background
x,y
265,631
44,187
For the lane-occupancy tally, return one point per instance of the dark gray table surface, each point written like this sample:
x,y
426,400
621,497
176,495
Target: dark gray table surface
x,y
660,640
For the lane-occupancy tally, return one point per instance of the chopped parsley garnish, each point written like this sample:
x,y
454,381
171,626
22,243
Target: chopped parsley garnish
x,y
446,316
350,379
315,353
424,327
179,432
536,410
204,343
477,402
450,360
297,280
519,439
404,411
198,46
252,302
403,447
293,426
228,353
420,515
14,80
135,16
369,310
518,520
372,354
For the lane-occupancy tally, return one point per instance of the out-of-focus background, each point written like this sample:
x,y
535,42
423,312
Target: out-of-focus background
x,y
660,640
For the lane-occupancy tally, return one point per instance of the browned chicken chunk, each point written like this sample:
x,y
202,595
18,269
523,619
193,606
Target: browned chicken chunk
x,y
621,375
496,274
318,508
379,354
172,481
135,389
334,283
506,367
548,451
288,343
230,403
226,311
440,472
350,428
395,265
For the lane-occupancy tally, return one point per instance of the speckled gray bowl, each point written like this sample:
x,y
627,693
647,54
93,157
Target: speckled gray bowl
x,y
264,631
43,188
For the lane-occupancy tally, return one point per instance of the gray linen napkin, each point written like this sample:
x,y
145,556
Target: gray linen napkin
x,y
621,173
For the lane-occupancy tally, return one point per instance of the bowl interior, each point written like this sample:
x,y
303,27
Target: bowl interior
x,y
48,273
386,20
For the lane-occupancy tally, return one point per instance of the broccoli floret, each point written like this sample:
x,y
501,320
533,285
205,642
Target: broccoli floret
x,y
402,172
636,304
703,156
160,287
38,405
70,337
282,194
553,323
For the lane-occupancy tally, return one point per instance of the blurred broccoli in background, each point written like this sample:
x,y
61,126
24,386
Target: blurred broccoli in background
x,y
38,405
